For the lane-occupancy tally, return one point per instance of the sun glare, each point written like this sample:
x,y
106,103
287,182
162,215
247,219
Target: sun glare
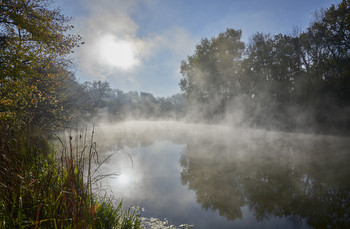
x,y
123,179
117,53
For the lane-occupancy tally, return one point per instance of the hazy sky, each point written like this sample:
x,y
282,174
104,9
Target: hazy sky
x,y
139,44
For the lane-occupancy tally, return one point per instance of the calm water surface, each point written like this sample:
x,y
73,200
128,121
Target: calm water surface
x,y
219,177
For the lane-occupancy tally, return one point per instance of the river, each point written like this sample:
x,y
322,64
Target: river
x,y
216,176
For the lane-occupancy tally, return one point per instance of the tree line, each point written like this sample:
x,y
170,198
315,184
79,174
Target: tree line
x,y
115,104
278,81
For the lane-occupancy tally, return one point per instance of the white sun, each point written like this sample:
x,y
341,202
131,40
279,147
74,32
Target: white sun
x,y
117,53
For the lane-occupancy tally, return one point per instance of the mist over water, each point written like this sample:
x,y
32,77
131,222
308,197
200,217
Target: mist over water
x,y
215,176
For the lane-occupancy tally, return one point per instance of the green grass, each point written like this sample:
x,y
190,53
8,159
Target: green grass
x,y
37,190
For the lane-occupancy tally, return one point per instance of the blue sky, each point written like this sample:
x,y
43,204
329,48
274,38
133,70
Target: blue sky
x,y
138,45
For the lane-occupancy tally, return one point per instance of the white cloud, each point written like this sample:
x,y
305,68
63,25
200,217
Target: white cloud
x,y
155,55
178,40
109,21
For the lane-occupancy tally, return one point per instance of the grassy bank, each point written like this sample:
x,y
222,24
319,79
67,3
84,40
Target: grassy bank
x,y
39,191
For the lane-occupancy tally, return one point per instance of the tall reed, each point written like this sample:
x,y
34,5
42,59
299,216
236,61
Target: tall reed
x,y
39,191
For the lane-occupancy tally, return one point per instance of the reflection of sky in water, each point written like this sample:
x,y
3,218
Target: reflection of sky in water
x,y
154,183
155,176
170,180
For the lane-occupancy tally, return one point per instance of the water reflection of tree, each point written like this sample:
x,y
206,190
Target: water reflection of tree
x,y
302,180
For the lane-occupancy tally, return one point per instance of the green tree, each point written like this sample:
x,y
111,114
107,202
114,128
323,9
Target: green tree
x,y
100,93
63,98
211,75
328,47
33,40
326,58
273,64
279,75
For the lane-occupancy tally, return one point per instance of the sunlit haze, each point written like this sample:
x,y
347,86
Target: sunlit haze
x,y
142,43
117,53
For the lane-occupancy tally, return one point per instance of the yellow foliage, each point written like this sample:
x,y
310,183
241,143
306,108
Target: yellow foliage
x,y
29,79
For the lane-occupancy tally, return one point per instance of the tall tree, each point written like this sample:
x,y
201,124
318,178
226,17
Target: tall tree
x,y
273,64
211,75
33,39
329,49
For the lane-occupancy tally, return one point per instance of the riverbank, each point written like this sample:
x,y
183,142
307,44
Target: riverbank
x,y
39,191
